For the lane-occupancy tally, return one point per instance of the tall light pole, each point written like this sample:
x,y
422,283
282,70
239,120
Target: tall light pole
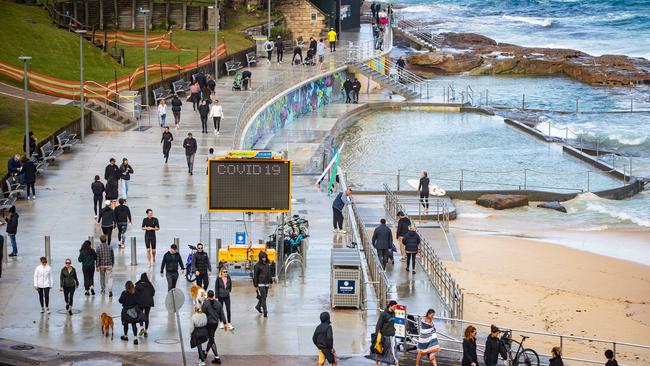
x,y
146,65
81,33
216,40
269,20
24,59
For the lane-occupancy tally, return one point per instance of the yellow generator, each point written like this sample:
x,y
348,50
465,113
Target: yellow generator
x,y
243,256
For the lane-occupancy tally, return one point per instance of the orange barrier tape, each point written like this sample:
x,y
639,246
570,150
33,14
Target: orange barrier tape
x,y
136,40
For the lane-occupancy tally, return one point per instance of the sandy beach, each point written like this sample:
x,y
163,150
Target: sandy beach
x,y
527,283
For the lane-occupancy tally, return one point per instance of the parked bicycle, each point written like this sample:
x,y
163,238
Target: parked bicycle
x,y
523,356
189,270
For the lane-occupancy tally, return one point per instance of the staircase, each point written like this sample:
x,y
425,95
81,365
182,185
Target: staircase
x,y
401,87
418,33
110,118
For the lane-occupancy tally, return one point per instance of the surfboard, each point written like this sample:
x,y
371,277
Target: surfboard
x,y
434,190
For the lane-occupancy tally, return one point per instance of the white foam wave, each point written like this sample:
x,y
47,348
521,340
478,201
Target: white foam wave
x,y
624,216
631,141
613,209
473,215
542,22
593,228
430,8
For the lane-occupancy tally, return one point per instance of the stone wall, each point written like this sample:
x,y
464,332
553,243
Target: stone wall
x,y
304,19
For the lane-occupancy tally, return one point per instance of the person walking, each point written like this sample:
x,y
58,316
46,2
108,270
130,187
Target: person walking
x,y
112,176
494,347
268,47
279,49
88,260
176,110
423,189
356,89
125,177
162,113
106,219
146,293
611,361
43,283
211,86
29,176
556,360
98,194
347,86
195,94
105,263
401,64
204,111
382,240
323,339
190,146
320,51
428,339
170,263
224,288
342,199
403,224
262,280
11,217
68,282
131,311
166,140
202,267
213,310
122,219
469,347
216,113
412,242
150,225
332,38
199,332
386,327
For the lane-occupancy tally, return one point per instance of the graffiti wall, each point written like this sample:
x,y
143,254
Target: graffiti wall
x,y
285,110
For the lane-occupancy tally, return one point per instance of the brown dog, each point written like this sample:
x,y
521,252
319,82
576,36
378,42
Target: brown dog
x,y
107,322
198,295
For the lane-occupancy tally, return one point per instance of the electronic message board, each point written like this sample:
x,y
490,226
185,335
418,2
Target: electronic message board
x,y
249,185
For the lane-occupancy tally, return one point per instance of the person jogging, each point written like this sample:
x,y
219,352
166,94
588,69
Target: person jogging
x,y
423,189
170,263
262,280
166,141
204,111
279,49
332,38
202,267
150,225
106,219
43,283
216,113
122,219
342,199
68,283
213,309
125,177
11,217
176,110
190,146
146,293
88,259
323,339
98,194
105,263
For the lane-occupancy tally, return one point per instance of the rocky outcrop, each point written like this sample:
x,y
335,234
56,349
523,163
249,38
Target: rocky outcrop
x,y
557,206
479,55
502,201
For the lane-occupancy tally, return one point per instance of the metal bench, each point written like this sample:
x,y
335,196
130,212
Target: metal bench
x,y
161,93
180,86
233,66
14,187
6,203
41,164
49,152
251,58
66,140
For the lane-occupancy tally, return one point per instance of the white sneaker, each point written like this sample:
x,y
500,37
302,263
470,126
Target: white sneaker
x,y
215,132
33,197
231,327
42,310
218,133
48,310
342,231
28,198
336,231
220,325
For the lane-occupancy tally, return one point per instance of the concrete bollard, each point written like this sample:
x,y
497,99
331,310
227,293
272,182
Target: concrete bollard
x,y
177,241
48,249
5,249
260,241
218,241
134,253
91,239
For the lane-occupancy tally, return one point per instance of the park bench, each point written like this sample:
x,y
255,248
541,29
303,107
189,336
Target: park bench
x,y
14,187
49,152
161,93
66,140
232,65
6,203
180,86
251,58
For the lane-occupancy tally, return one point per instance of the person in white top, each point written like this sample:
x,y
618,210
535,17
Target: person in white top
x,y
216,113
162,112
43,283
320,51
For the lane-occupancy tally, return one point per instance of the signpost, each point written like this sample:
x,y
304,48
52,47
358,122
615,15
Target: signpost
x,y
173,302
400,321
240,238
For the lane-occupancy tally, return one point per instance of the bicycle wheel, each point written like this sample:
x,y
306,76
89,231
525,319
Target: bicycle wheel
x,y
189,274
528,357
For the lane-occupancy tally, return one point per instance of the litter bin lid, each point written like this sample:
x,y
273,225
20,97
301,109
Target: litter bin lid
x,y
345,258
129,94
260,38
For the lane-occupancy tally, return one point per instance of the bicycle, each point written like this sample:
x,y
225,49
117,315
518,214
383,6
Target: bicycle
x,y
523,356
189,271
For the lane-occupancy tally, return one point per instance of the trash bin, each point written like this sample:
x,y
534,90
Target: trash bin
x,y
259,45
130,101
346,278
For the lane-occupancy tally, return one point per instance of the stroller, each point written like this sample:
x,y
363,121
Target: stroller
x,y
236,84
310,60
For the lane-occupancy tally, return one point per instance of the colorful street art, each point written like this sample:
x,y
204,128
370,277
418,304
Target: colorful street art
x,y
285,110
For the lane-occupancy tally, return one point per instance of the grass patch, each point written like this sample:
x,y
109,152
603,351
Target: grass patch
x,y
44,120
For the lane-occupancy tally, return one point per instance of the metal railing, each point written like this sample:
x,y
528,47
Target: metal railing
x,y
419,31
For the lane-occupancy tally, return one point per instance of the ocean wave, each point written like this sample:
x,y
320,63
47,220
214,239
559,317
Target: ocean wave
x,y
473,215
593,228
430,8
618,210
617,214
542,22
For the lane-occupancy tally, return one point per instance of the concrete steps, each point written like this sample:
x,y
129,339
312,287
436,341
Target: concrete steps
x,y
394,85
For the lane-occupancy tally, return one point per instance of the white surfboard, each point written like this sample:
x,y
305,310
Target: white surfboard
x,y
434,190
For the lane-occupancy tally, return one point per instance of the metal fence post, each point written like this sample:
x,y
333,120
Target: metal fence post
x,y
177,241
48,249
91,239
5,249
134,254
588,188
399,171
523,102
525,178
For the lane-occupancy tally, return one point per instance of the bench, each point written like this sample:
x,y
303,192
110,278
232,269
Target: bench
x,y
161,93
251,58
66,140
6,203
180,86
14,187
233,66
49,152
41,164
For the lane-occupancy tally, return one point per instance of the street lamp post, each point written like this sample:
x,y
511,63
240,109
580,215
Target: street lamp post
x,y
216,40
269,20
81,33
25,59
146,65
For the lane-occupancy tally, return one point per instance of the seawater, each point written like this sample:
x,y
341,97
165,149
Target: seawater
x,y
593,26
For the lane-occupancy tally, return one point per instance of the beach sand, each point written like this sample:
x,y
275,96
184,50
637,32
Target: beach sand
x,y
525,283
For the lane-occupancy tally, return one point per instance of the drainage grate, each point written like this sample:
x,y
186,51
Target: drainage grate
x,y
141,128
166,341
74,311
22,347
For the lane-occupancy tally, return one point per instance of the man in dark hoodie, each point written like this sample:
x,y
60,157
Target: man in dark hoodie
x,y
262,280
189,144
176,109
106,219
494,347
214,312
98,194
12,228
382,240
123,219
323,339
170,263
347,86
412,242
202,267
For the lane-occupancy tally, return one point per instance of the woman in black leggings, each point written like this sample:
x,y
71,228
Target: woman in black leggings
x,y
131,311
88,260
411,242
69,282
146,292
43,283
